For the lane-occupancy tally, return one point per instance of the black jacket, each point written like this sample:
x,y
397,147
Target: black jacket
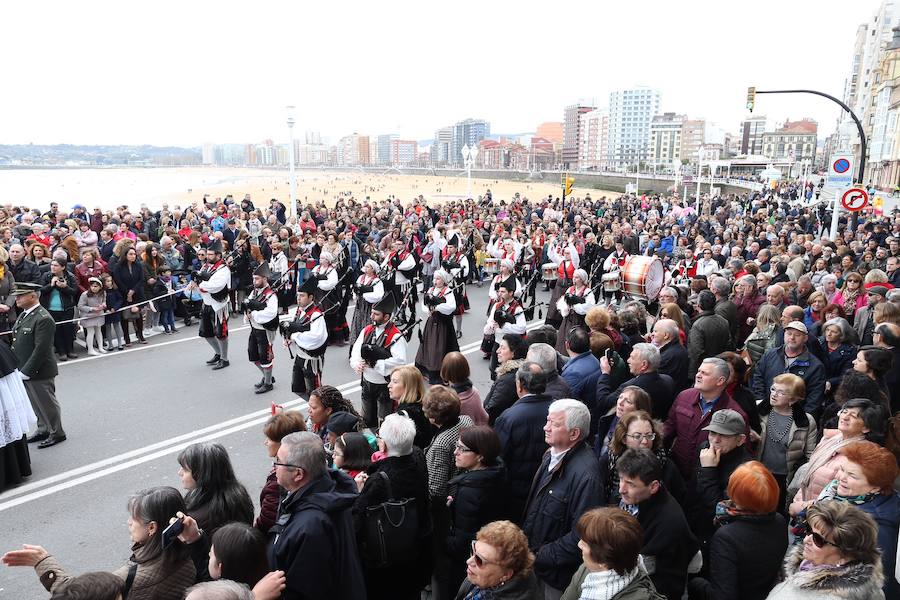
x,y
659,386
668,539
479,498
128,279
710,336
424,428
673,361
745,557
837,363
556,502
728,310
557,388
502,394
521,432
708,487
25,271
314,541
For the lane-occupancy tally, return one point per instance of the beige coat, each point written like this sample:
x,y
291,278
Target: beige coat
x,y
803,440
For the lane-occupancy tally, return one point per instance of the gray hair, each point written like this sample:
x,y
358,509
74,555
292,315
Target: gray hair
x,y
671,291
847,333
795,249
721,286
221,589
749,279
444,275
398,432
648,352
531,381
305,450
828,277
577,415
670,327
893,294
722,369
544,355
164,239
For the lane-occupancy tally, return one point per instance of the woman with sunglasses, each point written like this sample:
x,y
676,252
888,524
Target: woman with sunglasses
x,y
500,565
853,294
838,558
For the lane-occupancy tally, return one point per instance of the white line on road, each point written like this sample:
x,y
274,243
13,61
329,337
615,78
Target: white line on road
x,y
126,460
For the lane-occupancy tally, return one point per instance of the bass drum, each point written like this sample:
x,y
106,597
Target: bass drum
x,y
643,277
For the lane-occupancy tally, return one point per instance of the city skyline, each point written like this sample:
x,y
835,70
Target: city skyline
x,y
208,78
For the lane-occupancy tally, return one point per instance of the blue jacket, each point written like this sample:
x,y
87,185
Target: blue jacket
x,y
807,367
667,244
576,374
554,506
837,363
886,512
521,432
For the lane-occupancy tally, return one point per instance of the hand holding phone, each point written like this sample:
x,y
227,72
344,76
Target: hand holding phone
x,y
171,532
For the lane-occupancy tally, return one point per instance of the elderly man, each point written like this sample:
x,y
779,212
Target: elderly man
x,y
519,430
570,471
775,297
673,357
792,357
583,367
748,302
546,356
170,253
710,335
693,410
864,322
796,264
801,292
643,363
22,269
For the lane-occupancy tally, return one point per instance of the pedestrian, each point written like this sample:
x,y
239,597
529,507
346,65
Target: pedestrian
x,y
91,306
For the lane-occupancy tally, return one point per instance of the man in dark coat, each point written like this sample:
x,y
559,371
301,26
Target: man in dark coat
x,y
520,429
643,363
314,541
792,357
581,366
546,356
710,334
725,308
673,357
568,471
669,544
22,269
32,342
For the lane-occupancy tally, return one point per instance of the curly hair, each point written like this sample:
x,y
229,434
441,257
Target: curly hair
x,y
331,397
511,545
441,405
597,318
617,444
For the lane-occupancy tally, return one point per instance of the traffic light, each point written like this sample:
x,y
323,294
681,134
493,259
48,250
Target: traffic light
x,y
751,98
568,187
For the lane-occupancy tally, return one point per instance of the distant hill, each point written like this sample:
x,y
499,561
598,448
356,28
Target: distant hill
x,y
40,154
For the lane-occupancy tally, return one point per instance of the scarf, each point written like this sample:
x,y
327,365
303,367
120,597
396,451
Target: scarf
x,y
604,585
799,525
726,511
850,301
477,593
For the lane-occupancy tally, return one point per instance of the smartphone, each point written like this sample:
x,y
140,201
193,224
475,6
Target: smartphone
x,y
171,533
607,354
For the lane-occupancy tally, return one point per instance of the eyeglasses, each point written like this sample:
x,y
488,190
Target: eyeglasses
x,y
641,436
462,449
275,463
479,560
777,392
820,541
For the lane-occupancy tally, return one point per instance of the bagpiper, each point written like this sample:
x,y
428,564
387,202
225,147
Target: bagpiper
x,y
369,290
328,296
456,263
438,338
213,281
379,349
308,335
506,272
573,305
261,310
566,263
398,270
506,317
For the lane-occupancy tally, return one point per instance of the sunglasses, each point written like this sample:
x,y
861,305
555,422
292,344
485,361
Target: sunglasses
x,y
480,561
820,541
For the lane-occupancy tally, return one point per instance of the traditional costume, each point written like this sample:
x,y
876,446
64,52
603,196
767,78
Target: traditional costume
x,y
573,306
565,271
261,310
438,337
328,296
456,263
506,316
401,265
215,277
309,338
368,290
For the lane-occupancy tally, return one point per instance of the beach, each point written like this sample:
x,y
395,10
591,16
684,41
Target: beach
x,y
108,188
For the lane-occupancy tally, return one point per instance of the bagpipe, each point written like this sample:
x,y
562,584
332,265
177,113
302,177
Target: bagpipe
x,y
375,351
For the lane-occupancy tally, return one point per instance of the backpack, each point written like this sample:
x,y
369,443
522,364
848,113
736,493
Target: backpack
x,y
390,531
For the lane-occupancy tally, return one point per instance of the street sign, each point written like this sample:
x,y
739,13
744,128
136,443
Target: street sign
x,y
840,170
855,199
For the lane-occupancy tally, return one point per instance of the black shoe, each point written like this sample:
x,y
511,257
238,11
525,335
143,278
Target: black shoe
x,y
72,355
265,388
221,365
52,441
214,360
260,384
38,437
62,357
459,335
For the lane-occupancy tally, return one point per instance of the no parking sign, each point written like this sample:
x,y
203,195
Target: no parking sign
x,y
840,170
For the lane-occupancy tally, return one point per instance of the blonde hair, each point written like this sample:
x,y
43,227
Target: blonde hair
x,y
413,384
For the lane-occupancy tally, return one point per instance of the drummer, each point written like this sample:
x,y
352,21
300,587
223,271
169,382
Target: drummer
x,y
573,306
685,269
566,263
617,258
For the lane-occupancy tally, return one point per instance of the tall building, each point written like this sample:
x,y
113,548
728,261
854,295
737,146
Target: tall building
x,y
750,140
467,132
551,131
440,147
885,151
353,150
630,114
403,153
794,141
208,154
384,148
572,133
693,136
593,152
665,138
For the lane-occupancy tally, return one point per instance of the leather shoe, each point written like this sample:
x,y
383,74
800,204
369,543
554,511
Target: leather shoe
x,y
38,437
52,441
265,388
214,360
221,365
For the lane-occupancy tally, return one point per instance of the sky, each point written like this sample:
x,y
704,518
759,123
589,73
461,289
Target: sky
x,y
189,72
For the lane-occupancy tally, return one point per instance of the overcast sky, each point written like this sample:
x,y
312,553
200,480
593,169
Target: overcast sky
x,y
186,72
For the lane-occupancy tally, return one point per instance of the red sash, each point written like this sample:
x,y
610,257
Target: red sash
x,y
390,333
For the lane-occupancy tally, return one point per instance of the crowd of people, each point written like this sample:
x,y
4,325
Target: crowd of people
x,y
705,412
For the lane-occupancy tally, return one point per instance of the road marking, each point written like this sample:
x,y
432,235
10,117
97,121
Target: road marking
x,y
87,473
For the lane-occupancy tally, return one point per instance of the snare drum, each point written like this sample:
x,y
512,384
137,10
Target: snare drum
x,y
611,283
643,277
491,266
549,272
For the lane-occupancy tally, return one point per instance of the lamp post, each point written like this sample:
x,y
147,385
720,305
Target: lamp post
x,y
699,175
290,124
469,155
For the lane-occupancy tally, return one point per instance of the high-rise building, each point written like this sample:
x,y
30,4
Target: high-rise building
x,y
665,139
630,114
572,124
693,136
403,153
794,141
440,147
384,148
750,140
593,152
208,154
467,132
884,152
363,155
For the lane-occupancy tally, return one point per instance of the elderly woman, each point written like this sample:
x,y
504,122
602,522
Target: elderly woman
x,y
402,474
510,356
839,557
500,566
748,300
789,434
406,389
610,541
859,419
278,426
829,289
155,572
839,352
574,304
368,290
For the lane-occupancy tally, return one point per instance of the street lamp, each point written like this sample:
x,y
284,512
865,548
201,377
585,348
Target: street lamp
x,y
469,155
290,124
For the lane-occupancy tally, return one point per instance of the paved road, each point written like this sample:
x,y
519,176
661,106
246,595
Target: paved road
x,y
128,414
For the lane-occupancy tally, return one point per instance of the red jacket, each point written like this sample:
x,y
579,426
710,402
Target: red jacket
x,y
747,308
685,426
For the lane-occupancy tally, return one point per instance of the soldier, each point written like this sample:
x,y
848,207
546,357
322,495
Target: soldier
x,y
213,281
261,309
308,334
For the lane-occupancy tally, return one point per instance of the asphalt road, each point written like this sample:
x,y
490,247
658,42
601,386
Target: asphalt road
x,y
128,414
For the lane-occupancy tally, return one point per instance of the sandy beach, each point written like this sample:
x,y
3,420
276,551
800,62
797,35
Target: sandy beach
x,y
108,188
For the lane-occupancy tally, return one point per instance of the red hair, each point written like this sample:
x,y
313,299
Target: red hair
x,y
753,488
878,464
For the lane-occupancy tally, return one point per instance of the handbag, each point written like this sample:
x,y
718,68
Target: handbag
x,y
390,530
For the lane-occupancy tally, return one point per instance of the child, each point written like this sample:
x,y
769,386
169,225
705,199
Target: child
x,y
166,304
352,453
113,320
92,305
